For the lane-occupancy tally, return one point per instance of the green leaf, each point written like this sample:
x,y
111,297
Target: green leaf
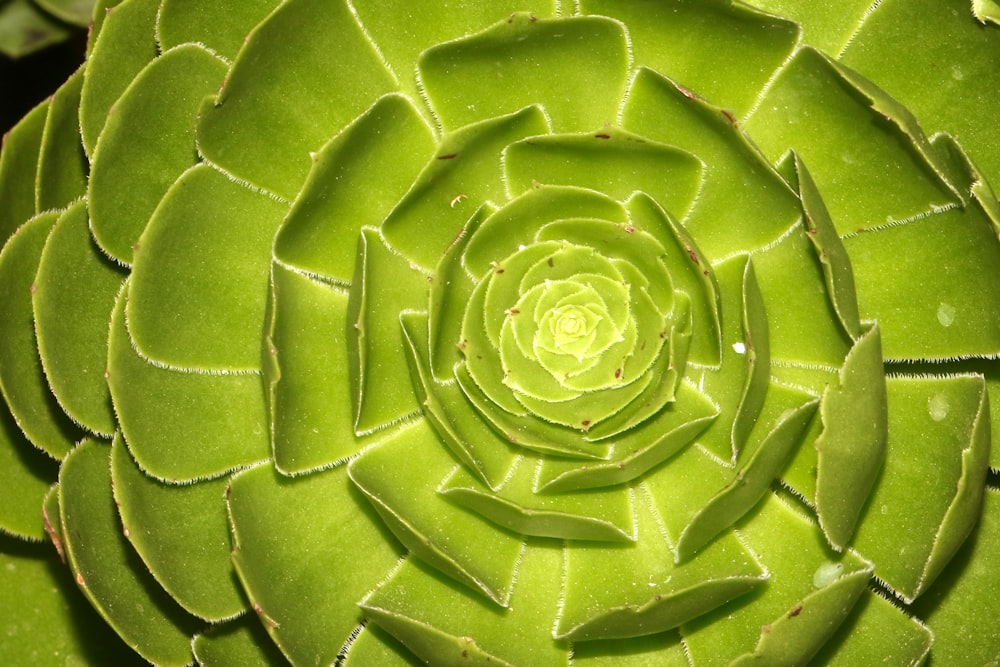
x,y
62,164
147,143
123,45
239,643
26,474
309,399
442,623
608,160
74,293
384,285
513,63
356,179
22,379
465,173
106,568
198,289
24,29
911,536
458,543
293,538
950,263
181,534
603,597
19,168
284,98
184,426
218,25
724,219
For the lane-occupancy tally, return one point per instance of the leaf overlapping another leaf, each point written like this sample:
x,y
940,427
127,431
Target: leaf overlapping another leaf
x,y
549,333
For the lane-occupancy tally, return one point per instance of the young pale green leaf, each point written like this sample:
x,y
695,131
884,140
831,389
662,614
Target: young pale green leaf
x,y
22,379
513,63
284,98
74,292
307,528
356,179
106,568
198,289
183,426
146,144
181,534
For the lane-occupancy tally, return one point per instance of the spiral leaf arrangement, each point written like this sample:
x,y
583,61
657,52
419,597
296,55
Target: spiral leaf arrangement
x,y
606,332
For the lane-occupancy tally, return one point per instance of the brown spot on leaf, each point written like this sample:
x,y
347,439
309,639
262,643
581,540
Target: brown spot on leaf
x,y
602,135
796,610
448,156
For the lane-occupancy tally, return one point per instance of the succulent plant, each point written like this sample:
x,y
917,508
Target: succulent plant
x,y
605,332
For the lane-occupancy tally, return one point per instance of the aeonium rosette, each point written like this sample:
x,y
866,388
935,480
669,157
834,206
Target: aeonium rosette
x,y
501,342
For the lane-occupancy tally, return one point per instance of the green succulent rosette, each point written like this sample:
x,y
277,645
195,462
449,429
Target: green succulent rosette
x,y
605,332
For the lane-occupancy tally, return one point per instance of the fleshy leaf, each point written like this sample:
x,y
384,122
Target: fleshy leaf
x,y
307,528
309,400
355,181
911,537
724,220
106,568
26,474
609,160
793,616
251,130
465,173
75,290
442,623
199,282
240,642
216,24
122,47
21,377
184,426
62,164
18,169
603,598
181,534
851,448
465,547
513,63
384,285
147,143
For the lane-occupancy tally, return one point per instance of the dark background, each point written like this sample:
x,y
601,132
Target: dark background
x,y
24,82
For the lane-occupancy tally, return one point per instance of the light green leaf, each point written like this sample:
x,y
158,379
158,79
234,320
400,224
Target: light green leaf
x,y
62,164
19,167
147,143
307,529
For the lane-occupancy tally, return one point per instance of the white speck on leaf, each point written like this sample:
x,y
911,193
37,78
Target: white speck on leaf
x,y
740,348
937,407
946,314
